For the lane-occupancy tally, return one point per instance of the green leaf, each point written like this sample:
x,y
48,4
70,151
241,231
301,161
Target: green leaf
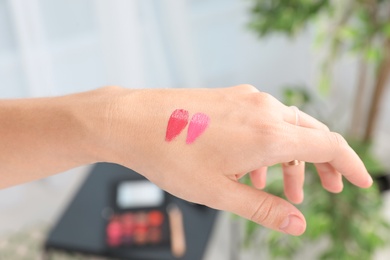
x,y
373,54
296,96
386,29
348,33
324,85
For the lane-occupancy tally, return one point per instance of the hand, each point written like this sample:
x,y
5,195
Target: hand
x,y
248,131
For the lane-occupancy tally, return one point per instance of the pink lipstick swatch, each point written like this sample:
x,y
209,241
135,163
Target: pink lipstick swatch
x,y
198,125
177,122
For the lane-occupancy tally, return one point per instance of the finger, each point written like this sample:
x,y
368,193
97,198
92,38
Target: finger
x,y
331,179
304,119
294,177
260,207
259,177
318,146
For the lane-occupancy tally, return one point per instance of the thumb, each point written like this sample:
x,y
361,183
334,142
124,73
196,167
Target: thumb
x,y
261,207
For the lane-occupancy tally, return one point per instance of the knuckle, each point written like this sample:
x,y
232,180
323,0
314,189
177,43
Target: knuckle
x,y
248,87
263,210
260,99
270,132
265,97
324,127
337,141
274,138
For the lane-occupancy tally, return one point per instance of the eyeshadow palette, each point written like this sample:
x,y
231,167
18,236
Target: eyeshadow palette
x,y
139,217
140,228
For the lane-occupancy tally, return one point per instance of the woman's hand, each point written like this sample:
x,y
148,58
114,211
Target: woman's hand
x,y
247,131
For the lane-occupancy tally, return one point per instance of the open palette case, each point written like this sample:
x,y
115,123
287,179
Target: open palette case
x,y
118,214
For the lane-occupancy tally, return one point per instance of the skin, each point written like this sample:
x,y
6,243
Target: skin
x,y
248,131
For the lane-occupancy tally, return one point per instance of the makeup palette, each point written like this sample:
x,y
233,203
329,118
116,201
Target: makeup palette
x,y
140,228
139,217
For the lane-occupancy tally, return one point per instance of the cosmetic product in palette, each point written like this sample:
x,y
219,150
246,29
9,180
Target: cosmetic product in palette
x,y
139,218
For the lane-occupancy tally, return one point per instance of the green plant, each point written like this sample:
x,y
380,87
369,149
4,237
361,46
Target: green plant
x,y
349,225
357,27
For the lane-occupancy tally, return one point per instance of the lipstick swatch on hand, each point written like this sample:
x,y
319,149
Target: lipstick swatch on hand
x,y
198,125
177,122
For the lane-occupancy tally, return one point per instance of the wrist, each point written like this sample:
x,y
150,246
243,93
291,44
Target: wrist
x,y
91,117
107,121
126,126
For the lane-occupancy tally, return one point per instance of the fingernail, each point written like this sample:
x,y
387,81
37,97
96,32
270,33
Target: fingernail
x,y
293,225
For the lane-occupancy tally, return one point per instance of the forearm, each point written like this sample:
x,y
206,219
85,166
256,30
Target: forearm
x,y
40,137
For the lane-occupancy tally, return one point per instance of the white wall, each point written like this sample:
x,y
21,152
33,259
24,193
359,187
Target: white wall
x,y
171,43
175,43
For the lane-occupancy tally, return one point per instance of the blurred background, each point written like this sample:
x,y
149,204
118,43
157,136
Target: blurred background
x,y
53,47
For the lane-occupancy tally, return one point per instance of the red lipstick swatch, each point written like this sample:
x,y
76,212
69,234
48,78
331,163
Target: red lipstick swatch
x,y
177,122
198,125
